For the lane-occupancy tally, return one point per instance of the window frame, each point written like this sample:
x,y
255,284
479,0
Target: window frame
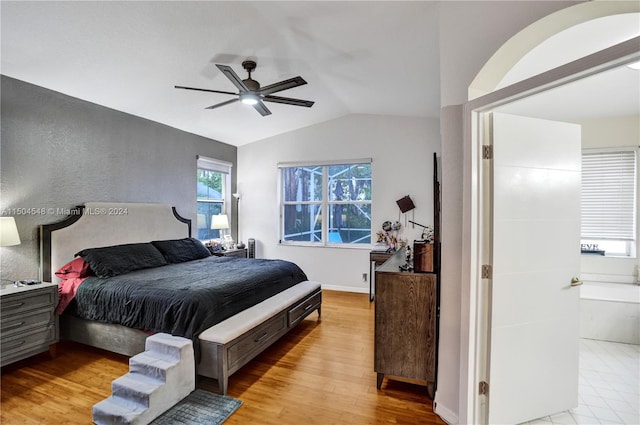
x,y
225,169
630,243
324,203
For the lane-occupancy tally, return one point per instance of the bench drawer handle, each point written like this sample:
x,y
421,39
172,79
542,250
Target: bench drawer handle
x,y
308,307
263,336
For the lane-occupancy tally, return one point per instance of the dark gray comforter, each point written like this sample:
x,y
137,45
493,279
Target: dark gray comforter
x,y
186,298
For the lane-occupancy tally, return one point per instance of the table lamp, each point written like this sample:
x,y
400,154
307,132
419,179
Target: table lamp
x,y
8,232
220,222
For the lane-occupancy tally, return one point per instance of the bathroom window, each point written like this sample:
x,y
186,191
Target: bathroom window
x,y
608,201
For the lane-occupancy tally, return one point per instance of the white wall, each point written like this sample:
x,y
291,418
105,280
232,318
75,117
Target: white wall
x,y
612,132
449,370
402,151
470,33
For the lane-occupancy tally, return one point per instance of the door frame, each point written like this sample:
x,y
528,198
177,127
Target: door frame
x,y
477,196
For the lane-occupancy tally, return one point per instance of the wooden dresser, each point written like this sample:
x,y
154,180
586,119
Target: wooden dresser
x,y
406,309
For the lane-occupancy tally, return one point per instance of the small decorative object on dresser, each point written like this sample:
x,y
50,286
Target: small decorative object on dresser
x,y
29,324
423,257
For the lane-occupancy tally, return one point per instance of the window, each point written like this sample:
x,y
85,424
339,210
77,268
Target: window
x,y
339,191
213,185
609,201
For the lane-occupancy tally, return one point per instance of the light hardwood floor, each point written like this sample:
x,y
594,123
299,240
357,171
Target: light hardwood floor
x,y
319,373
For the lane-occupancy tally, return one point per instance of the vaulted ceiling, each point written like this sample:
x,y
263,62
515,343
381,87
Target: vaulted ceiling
x,y
357,57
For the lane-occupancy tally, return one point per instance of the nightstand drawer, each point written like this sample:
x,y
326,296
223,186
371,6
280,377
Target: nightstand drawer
x,y
21,323
26,301
38,340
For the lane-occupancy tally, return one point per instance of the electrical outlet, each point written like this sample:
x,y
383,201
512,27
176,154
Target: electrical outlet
x,y
364,277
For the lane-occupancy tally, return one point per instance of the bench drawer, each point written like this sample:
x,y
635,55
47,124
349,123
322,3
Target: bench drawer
x,y
250,344
302,309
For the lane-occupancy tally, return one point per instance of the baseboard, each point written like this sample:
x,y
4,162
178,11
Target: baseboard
x,y
445,414
357,289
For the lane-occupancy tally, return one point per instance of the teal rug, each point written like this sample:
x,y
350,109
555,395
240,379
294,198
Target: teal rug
x,y
199,408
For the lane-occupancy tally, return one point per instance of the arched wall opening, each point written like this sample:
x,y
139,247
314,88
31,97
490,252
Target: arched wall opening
x,y
507,58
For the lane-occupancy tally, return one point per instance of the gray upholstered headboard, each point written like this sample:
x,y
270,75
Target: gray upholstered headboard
x,y
98,224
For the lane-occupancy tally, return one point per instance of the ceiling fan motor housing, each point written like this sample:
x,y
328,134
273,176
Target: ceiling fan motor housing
x,y
251,84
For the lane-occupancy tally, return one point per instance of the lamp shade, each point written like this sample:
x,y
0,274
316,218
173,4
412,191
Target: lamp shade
x,y
220,221
8,232
405,204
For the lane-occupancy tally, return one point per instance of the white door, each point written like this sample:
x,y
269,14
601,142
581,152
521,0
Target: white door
x,y
533,366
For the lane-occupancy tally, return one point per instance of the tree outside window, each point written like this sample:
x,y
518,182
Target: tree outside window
x,y
326,204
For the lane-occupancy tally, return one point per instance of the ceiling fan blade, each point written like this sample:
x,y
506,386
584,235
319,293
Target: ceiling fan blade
x,y
233,77
207,90
262,109
226,102
282,85
288,101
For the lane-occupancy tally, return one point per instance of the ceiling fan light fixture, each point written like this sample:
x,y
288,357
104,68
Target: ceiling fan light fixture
x,y
249,98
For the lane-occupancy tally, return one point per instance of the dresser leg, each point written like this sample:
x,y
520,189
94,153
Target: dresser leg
x,y
431,390
379,380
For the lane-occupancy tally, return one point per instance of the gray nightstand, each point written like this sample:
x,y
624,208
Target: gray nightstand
x,y
28,321
232,253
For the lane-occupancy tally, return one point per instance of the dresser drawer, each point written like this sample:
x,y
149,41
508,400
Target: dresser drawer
x,y
34,341
302,309
21,323
27,301
248,345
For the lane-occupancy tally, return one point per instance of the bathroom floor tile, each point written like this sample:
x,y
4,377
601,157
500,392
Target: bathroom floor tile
x,y
609,386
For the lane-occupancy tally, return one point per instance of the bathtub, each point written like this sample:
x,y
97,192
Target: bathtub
x,y
610,312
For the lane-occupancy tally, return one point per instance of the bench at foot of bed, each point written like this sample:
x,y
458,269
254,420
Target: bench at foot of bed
x,y
231,344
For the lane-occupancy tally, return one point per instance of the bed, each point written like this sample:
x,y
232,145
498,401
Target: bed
x,y
147,275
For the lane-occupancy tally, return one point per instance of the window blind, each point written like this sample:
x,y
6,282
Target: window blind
x,y
214,164
608,195
301,164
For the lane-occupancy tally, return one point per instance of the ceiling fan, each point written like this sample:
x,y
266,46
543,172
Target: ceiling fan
x,y
251,93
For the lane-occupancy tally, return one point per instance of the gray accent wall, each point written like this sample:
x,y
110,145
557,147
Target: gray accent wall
x,y
57,152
